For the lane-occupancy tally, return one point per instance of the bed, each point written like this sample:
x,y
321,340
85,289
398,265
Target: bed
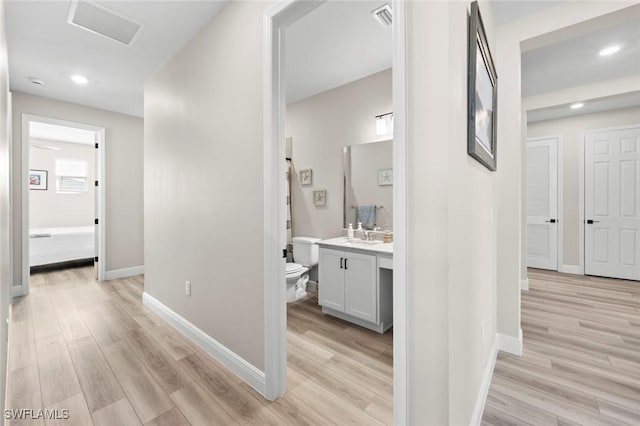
x,y
57,245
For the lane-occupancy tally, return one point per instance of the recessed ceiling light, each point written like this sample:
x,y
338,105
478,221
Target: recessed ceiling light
x,y
37,81
609,50
79,79
577,105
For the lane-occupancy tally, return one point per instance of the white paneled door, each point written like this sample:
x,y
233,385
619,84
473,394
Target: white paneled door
x,y
542,203
612,203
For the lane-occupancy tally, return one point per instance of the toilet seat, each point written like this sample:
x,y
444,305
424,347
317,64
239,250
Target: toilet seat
x,y
293,268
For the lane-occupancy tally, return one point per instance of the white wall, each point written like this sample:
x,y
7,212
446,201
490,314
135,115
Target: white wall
x,y
321,126
50,209
124,174
204,181
572,130
452,242
5,202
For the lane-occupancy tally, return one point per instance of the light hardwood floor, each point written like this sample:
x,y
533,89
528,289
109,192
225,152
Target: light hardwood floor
x,y
581,357
94,349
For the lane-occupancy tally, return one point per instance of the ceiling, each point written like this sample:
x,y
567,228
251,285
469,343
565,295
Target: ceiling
x,y
43,45
337,43
575,61
609,103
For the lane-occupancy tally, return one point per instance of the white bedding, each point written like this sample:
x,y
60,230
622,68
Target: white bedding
x,y
54,245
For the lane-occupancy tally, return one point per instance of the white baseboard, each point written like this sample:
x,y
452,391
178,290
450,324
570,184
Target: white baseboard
x,y
483,392
16,291
510,344
570,269
123,273
238,365
524,284
312,286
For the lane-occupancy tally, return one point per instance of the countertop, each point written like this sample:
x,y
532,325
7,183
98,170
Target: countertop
x,y
358,244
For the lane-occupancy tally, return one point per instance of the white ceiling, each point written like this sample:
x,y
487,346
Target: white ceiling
x,y
575,61
42,44
337,43
54,132
626,100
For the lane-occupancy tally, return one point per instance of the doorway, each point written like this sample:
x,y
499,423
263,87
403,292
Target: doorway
x,y
611,203
277,18
542,203
63,205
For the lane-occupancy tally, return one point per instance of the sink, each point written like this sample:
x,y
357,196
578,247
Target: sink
x,y
370,242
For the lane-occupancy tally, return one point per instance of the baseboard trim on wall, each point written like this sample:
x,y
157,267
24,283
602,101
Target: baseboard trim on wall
x,y
17,291
124,273
524,284
238,365
312,286
570,269
510,344
483,392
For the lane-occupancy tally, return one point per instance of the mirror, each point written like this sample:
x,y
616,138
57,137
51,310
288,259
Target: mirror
x,y
368,181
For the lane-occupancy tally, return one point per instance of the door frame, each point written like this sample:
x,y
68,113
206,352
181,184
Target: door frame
x,y
100,209
583,170
276,18
560,213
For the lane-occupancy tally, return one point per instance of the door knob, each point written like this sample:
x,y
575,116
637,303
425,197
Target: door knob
x,y
550,221
591,221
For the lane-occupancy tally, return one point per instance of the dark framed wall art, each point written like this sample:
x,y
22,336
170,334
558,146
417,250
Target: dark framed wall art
x,y
482,95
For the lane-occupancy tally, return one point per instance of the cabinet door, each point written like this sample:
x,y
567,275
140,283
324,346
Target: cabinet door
x,y
361,286
331,279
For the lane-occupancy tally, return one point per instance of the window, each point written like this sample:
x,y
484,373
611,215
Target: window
x,y
71,176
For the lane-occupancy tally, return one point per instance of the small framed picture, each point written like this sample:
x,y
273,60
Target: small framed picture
x,y
38,179
385,177
306,177
320,198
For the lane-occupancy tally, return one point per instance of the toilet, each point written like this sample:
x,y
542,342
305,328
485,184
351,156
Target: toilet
x,y
305,257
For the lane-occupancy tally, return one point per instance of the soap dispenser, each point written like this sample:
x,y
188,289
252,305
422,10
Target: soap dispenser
x,y
350,232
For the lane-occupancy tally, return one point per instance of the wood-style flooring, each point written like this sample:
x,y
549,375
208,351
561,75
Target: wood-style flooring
x,y
581,356
93,348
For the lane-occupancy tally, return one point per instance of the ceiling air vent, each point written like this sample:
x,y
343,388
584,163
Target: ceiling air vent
x,y
107,23
383,15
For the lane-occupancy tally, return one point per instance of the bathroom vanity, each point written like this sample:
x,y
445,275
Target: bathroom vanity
x,y
356,281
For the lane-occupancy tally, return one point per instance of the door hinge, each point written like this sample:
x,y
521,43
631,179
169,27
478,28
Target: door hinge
x,y
97,145
96,221
96,183
284,253
95,259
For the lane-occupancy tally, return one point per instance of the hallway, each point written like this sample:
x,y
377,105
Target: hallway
x,y
94,349
581,356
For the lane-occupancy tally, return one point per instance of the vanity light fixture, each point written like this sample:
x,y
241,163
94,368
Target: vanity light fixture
x,y
80,79
384,124
577,105
610,50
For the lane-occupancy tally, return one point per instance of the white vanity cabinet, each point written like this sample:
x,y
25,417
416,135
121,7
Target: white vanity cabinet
x,y
355,285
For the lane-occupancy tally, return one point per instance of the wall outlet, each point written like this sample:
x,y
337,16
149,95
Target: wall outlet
x,y
482,332
187,288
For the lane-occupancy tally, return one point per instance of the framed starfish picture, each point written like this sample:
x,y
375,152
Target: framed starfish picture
x,y
320,198
385,177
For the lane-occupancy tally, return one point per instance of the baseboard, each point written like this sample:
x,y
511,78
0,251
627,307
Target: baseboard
x,y
312,286
524,284
123,273
510,344
16,291
238,365
483,392
570,269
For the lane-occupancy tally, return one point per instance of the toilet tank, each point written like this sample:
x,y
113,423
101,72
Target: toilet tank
x,y
305,250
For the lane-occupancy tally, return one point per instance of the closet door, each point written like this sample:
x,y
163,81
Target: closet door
x,y
542,204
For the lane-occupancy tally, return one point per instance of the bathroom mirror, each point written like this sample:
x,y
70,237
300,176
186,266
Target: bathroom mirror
x,y
368,181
